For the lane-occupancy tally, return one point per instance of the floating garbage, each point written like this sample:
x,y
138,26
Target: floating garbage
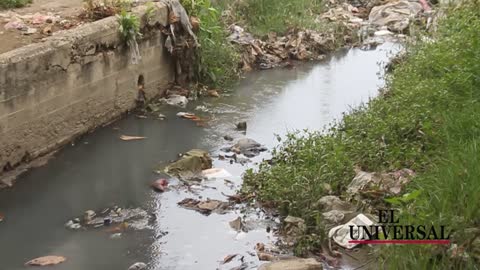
x,y
395,15
118,218
138,266
247,147
341,234
190,165
160,185
131,138
46,260
205,207
215,173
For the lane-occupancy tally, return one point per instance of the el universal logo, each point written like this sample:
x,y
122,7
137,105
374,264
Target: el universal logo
x,y
393,232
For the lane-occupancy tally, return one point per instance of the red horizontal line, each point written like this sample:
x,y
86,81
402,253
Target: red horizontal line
x,y
417,242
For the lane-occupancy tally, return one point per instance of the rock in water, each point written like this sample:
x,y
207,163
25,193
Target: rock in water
x,y
190,165
242,126
138,266
292,264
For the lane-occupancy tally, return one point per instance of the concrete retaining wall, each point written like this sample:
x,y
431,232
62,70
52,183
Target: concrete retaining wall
x,y
75,81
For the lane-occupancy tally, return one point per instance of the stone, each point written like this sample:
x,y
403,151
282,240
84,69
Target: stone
x,y
334,216
293,264
242,126
328,203
138,266
228,138
89,215
190,165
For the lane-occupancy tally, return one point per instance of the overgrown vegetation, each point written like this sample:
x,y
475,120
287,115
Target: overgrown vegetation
x,y
218,59
4,4
264,16
427,121
130,30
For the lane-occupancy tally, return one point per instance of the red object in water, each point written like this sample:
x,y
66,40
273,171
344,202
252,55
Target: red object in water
x,y
425,5
160,185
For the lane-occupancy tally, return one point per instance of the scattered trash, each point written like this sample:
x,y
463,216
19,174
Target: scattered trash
x,y
382,33
15,23
116,236
176,100
213,93
47,30
46,260
333,216
190,116
29,31
294,226
131,138
228,258
328,203
72,225
41,19
263,256
293,264
242,126
205,207
341,234
395,15
215,173
237,224
137,218
190,165
365,182
138,266
89,215
247,147
275,50
239,36
160,185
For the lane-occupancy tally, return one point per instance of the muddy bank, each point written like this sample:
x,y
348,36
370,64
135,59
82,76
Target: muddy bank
x,y
101,170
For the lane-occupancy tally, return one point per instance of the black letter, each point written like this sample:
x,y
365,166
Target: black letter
x,y
392,219
366,231
383,216
397,232
421,231
409,229
432,231
351,233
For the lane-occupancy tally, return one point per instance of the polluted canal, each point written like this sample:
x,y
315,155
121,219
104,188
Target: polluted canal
x,y
100,171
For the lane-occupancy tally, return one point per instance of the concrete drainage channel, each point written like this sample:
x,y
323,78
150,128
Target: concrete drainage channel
x,y
73,82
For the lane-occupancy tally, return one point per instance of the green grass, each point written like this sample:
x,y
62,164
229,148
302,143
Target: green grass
x,y
264,16
428,121
4,4
217,64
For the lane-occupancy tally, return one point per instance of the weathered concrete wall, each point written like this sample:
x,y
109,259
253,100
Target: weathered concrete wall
x,y
75,81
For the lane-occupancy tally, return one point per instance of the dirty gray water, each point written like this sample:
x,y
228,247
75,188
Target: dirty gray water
x,y
101,170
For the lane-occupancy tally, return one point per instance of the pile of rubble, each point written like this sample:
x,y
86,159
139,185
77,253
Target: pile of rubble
x,y
368,23
29,24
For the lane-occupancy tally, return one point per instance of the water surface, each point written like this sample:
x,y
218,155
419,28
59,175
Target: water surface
x,y
100,170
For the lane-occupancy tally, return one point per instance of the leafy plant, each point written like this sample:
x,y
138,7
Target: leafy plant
x,y
129,26
14,3
218,59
